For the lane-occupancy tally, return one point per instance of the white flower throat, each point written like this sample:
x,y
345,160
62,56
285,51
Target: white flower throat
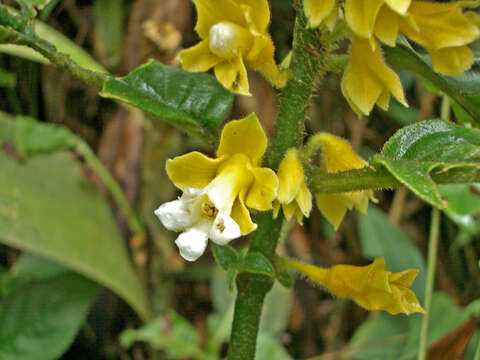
x,y
228,40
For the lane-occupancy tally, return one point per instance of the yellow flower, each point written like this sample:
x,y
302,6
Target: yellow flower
x,y
368,80
371,286
321,11
361,15
445,30
234,36
217,192
293,193
337,155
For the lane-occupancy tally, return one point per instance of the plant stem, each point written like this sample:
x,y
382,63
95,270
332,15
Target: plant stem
x,y
432,260
306,66
377,178
112,185
12,36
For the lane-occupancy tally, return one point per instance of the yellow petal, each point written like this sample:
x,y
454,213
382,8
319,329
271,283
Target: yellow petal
x,y
290,176
304,200
211,12
193,169
367,77
399,6
331,20
271,72
333,207
361,15
289,209
386,27
317,11
241,215
232,74
245,136
337,154
453,61
199,58
263,190
259,13
440,25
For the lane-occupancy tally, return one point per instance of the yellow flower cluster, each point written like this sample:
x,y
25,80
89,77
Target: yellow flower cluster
x,y
234,37
444,29
371,286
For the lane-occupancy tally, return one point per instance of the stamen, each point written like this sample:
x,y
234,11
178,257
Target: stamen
x,y
209,209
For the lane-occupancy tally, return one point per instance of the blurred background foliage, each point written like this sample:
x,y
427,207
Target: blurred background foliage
x,y
92,299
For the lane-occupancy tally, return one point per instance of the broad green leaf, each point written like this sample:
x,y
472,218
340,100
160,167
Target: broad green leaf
x,y
415,151
39,4
378,237
461,89
40,319
172,334
196,103
285,278
463,204
257,263
49,208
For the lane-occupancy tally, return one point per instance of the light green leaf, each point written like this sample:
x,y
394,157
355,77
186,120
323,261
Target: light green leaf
x,y
40,319
172,334
49,208
269,348
461,89
108,32
378,237
196,103
415,151
463,204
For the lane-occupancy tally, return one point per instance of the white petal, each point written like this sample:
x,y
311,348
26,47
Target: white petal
x,y
192,243
174,215
224,229
190,193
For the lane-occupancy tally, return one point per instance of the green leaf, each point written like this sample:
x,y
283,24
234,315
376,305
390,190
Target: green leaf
x,y
463,204
49,208
195,103
395,337
39,4
172,334
33,138
285,278
269,348
276,314
225,256
40,319
415,151
461,89
378,237
108,33
257,263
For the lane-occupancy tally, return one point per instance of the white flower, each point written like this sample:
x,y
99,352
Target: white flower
x,y
199,218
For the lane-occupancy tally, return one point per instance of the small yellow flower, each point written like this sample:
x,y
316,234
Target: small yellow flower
x,y
321,11
337,155
217,192
371,286
368,80
293,193
445,30
234,37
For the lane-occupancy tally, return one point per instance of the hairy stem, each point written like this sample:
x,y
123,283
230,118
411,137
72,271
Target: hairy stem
x,y
307,61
